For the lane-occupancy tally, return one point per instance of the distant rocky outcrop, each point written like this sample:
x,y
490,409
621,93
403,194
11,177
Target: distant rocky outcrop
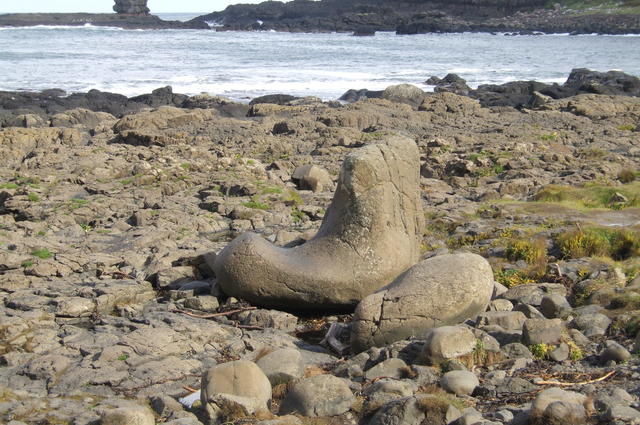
x,y
418,16
131,14
136,21
131,7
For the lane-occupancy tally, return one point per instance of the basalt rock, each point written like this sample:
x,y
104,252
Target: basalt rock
x,y
370,234
442,290
131,7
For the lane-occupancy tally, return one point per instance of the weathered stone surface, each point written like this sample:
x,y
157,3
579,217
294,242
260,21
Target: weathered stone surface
x,y
533,293
614,352
238,387
545,398
312,177
459,382
404,411
508,320
320,395
554,306
385,390
592,324
438,291
282,366
131,7
138,415
404,93
269,319
446,343
542,331
624,413
371,228
393,368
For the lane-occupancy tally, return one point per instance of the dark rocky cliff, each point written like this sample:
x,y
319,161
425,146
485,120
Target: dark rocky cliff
x,y
417,16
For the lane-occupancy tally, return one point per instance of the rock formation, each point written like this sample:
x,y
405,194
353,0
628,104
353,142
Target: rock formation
x,y
239,387
131,7
370,234
442,290
421,16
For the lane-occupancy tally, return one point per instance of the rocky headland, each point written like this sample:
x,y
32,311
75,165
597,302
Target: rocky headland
x,y
426,16
401,257
130,14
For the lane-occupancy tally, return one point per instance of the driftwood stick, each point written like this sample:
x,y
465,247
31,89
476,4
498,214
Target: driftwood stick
x,y
570,384
212,315
249,327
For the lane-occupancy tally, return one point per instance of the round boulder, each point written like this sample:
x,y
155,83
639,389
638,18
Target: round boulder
x,y
442,290
459,382
131,415
234,389
312,177
447,343
549,396
404,93
320,395
282,365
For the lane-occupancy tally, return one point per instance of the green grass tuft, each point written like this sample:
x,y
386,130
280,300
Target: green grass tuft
x,y
510,278
256,205
592,196
617,244
42,253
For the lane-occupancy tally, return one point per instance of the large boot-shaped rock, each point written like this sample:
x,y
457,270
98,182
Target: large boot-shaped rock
x,y
370,234
439,291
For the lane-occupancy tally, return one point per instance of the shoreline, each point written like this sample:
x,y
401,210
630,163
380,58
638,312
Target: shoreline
x,y
110,220
132,22
518,93
543,22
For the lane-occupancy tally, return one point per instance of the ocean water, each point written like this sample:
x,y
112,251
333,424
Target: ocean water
x,y
244,65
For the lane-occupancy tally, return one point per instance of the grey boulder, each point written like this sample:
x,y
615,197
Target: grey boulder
x,y
447,343
555,405
442,290
282,366
312,177
320,395
370,234
234,389
459,382
129,415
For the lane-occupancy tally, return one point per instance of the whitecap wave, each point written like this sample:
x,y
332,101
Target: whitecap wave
x,y
244,65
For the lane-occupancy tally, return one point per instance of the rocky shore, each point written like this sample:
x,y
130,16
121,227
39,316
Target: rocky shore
x,y
96,19
416,17
130,14
127,286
